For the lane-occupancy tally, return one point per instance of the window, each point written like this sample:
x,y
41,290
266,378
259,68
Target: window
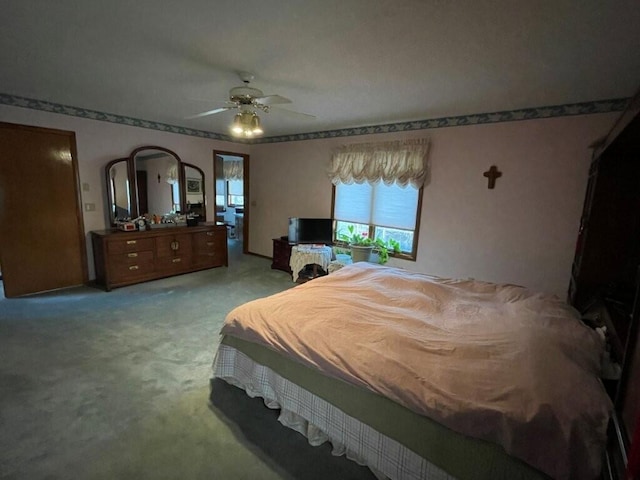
x,y
380,211
235,193
378,189
175,196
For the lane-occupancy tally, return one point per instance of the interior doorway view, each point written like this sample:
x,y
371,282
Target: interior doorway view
x,y
231,190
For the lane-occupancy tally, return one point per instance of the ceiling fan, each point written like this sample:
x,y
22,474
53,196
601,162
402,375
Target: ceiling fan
x,y
248,99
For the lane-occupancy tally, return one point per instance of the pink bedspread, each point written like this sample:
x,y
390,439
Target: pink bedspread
x,y
496,362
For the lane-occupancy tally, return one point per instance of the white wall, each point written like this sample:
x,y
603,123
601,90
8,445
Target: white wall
x,y
521,232
100,142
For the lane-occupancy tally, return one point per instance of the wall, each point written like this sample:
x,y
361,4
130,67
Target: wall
x,y
99,142
521,232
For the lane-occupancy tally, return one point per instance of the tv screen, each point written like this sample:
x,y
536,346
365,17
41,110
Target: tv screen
x,y
311,230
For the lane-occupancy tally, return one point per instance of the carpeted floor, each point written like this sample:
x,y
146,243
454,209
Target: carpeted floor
x,y
97,385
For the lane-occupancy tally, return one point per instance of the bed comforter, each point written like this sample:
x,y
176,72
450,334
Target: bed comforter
x,y
495,362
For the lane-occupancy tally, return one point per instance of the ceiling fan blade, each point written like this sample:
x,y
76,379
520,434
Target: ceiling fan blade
x,y
272,100
293,113
210,112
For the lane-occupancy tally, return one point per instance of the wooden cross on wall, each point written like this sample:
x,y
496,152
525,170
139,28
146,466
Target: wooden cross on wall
x,y
492,174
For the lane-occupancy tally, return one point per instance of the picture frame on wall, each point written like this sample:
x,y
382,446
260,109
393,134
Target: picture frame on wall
x,y
194,185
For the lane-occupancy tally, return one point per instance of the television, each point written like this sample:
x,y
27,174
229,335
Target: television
x,y
311,230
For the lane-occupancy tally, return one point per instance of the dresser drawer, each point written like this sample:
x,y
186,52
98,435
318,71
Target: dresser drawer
x,y
209,242
175,263
210,259
115,247
132,258
203,240
126,267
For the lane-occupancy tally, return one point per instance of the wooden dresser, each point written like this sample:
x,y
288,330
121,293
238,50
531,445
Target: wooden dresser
x,y
125,258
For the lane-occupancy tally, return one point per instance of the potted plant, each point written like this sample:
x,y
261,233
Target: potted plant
x,y
362,246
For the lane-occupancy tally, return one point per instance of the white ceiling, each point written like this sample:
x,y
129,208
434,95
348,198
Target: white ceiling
x,y
348,62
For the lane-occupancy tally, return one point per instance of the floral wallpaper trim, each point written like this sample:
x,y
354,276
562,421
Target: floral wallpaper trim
x,y
583,108
107,117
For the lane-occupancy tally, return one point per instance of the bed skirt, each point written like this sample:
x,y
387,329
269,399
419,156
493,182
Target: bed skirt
x,y
319,421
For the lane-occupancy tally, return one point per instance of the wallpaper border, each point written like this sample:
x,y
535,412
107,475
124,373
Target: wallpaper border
x,y
45,106
570,109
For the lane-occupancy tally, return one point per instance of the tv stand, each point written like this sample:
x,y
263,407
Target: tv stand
x,y
281,254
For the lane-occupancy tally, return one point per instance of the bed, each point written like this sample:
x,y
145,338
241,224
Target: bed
x,y
423,377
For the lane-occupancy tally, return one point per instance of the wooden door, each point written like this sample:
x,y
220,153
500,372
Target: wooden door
x,y
42,244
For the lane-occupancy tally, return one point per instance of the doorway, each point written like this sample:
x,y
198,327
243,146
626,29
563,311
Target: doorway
x,y
41,229
231,194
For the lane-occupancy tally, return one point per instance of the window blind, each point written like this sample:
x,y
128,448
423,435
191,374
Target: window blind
x,y
382,205
353,202
394,206
236,187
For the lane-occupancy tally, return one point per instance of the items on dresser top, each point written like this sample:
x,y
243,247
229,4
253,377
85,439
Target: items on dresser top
x,y
125,258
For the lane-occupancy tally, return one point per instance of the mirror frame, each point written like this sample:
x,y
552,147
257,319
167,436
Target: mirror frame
x,y
133,184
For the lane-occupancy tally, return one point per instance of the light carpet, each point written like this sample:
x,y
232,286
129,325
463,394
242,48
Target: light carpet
x,y
115,385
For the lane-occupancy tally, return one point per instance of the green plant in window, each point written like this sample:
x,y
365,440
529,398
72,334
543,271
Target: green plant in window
x,y
380,246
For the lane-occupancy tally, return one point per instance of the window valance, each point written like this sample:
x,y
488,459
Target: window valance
x,y
402,162
233,169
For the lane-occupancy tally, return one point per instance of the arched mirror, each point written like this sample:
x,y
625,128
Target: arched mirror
x,y
194,188
153,179
119,190
158,181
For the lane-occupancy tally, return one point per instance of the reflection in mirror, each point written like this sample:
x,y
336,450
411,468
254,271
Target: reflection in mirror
x,y
194,181
119,190
158,182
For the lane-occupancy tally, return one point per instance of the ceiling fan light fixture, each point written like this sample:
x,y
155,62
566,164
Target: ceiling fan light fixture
x,y
246,124
255,125
236,126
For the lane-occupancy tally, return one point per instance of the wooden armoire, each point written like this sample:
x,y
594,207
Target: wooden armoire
x,y
606,271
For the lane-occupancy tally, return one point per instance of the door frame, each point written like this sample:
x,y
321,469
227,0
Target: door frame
x,y
246,194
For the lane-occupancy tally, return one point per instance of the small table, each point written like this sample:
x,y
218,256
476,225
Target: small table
x,y
302,255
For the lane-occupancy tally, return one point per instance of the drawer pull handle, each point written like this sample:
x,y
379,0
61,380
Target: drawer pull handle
x,y
210,234
175,245
131,242
176,260
132,255
211,254
133,267
209,244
